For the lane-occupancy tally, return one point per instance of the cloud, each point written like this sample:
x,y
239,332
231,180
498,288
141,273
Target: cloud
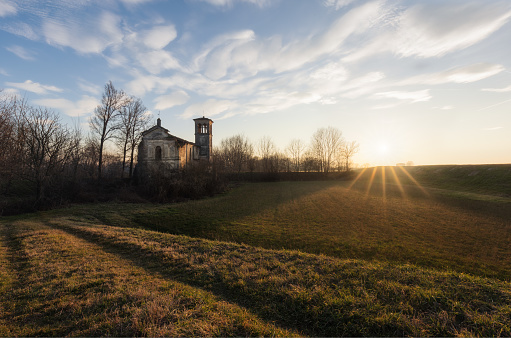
x,y
465,74
338,4
34,87
412,97
134,2
158,37
3,72
243,54
89,87
21,29
174,99
21,52
229,3
211,107
498,90
84,106
7,8
435,29
157,61
85,37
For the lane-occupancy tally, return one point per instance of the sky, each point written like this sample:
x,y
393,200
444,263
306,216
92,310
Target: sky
x,y
427,81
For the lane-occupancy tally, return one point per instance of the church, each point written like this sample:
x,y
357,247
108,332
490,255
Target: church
x,y
160,150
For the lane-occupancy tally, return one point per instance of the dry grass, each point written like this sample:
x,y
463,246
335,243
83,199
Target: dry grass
x,y
318,295
64,286
404,226
376,259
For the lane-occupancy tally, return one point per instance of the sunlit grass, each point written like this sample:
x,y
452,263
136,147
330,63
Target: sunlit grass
x,y
309,258
327,218
318,295
64,286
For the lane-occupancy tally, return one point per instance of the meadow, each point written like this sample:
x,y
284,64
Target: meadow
x,y
391,252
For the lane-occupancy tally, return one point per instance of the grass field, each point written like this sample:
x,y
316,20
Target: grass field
x,y
389,253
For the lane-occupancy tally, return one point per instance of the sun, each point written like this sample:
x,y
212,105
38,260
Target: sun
x,y
383,148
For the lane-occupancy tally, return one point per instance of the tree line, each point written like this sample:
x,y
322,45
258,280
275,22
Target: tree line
x,y
326,152
44,162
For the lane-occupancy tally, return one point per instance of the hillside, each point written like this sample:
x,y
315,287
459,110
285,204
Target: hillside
x,y
386,254
65,276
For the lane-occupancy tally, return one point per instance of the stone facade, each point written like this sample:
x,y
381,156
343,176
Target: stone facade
x,y
160,150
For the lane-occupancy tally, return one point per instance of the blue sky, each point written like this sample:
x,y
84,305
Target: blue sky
x,y
423,81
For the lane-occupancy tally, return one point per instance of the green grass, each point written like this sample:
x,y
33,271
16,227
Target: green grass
x,y
77,278
377,257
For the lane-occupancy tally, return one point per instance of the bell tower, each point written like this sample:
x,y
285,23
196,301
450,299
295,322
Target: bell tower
x,y
204,137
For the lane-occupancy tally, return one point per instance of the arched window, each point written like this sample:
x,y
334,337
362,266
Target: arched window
x,y
199,128
157,153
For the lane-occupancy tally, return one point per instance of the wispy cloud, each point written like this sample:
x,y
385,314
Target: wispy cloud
x,y
229,3
465,74
210,107
82,107
7,8
174,99
415,96
435,29
85,37
338,4
497,90
34,87
3,72
21,52
88,87
21,29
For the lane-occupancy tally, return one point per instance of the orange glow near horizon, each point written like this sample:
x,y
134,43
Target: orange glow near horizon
x,y
398,182
371,181
383,183
357,178
414,180
394,181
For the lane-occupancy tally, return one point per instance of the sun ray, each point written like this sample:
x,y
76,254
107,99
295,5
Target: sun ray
x,y
383,183
357,178
398,182
414,180
373,174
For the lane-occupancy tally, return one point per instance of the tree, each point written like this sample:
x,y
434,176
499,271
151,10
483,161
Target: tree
x,y
325,144
104,122
47,148
268,154
349,149
295,150
132,122
139,124
236,152
13,131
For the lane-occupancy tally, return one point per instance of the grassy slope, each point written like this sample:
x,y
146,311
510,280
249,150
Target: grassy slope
x,y
81,278
66,273
422,228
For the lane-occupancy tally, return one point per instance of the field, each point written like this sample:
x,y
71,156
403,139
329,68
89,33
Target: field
x,y
391,252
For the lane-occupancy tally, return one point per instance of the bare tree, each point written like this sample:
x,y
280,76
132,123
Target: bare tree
x,y
325,144
349,149
48,148
295,149
103,122
236,152
12,138
267,152
132,122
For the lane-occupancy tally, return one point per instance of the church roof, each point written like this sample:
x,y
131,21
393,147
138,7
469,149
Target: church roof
x,y
168,135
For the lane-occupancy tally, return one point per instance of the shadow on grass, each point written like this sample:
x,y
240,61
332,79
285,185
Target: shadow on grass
x,y
202,218
310,314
